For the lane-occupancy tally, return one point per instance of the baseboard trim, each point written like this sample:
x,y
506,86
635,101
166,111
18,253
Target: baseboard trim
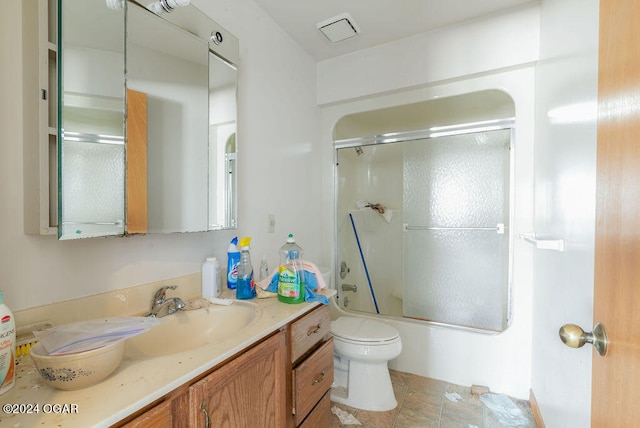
x,y
535,410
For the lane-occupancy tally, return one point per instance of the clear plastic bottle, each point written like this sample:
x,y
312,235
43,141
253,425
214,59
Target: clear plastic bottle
x,y
7,347
246,288
291,273
264,269
211,286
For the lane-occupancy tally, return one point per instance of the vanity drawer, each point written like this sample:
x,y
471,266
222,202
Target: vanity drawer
x,y
308,331
320,416
311,380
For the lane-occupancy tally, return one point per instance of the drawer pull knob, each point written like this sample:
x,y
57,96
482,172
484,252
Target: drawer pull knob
x,y
314,330
318,379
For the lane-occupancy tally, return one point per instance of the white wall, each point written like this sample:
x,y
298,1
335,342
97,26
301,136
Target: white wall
x,y
566,92
509,47
278,129
452,53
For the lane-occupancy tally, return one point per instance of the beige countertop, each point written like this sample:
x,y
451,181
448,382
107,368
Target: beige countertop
x,y
136,382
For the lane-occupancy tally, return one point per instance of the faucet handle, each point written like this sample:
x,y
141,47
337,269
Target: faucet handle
x,y
160,294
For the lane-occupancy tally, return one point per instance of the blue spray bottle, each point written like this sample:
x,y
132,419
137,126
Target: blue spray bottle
x,y
246,284
233,259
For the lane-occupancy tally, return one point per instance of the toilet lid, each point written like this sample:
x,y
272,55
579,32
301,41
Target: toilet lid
x,y
363,330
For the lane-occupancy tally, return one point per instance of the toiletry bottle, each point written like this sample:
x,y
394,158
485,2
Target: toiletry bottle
x,y
7,347
233,258
246,286
264,268
291,273
210,278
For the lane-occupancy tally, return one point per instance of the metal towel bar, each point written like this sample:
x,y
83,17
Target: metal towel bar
x,y
499,228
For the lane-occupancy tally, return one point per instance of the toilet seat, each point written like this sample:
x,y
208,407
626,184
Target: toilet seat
x,y
363,330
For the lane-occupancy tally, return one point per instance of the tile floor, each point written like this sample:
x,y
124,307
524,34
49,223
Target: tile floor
x,y
422,403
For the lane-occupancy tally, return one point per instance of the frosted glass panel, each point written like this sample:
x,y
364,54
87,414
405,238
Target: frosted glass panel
x,y
456,277
92,191
456,264
457,181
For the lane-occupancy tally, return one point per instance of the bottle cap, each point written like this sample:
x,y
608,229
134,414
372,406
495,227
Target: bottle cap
x,y
290,238
211,259
233,245
245,242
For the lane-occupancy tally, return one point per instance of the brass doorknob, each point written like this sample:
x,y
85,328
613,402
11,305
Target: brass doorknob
x,y
575,337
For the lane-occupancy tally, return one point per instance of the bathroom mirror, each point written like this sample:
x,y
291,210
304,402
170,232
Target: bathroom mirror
x,y
91,149
155,152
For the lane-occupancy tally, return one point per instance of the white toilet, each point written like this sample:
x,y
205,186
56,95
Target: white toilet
x,y
362,348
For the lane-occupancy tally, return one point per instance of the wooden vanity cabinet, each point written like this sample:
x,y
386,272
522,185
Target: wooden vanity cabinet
x,y
169,413
283,381
311,360
248,391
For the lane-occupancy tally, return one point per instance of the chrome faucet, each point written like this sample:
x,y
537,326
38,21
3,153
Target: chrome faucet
x,y
350,287
161,306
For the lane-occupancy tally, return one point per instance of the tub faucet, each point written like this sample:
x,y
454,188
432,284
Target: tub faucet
x,y
161,306
350,287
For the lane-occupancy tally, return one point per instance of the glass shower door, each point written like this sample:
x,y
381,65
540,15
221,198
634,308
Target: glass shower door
x,y
456,223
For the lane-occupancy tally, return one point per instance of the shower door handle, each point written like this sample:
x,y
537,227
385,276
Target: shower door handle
x,y
575,337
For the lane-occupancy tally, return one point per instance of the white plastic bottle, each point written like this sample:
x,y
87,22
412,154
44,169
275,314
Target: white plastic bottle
x,y
211,282
7,347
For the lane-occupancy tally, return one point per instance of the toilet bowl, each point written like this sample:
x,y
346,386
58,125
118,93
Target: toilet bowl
x,y
362,349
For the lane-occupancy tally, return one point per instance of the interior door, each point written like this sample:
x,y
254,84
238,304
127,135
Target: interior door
x,y
616,376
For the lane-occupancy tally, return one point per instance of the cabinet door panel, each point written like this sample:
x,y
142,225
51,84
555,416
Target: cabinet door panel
x,y
158,417
249,391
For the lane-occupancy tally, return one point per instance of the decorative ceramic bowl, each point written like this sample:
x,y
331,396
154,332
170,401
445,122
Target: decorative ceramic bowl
x,y
79,370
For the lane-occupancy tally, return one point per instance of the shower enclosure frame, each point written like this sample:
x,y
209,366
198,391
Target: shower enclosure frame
x,y
425,134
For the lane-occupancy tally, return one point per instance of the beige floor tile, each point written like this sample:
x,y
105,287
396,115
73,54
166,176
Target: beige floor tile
x,y
422,404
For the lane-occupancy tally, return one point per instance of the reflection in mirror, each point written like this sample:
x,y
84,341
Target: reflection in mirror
x,y
222,143
170,66
178,170
91,155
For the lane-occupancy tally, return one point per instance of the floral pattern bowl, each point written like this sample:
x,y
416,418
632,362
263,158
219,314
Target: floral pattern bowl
x,y
79,370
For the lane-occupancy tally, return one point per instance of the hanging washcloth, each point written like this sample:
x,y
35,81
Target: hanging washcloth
x,y
379,208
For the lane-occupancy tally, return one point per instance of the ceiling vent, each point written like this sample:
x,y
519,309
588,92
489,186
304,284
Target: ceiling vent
x,y
339,28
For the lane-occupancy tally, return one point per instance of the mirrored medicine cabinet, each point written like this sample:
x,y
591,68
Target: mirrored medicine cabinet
x,y
146,120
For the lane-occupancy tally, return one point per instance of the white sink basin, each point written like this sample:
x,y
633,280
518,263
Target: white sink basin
x,y
191,329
